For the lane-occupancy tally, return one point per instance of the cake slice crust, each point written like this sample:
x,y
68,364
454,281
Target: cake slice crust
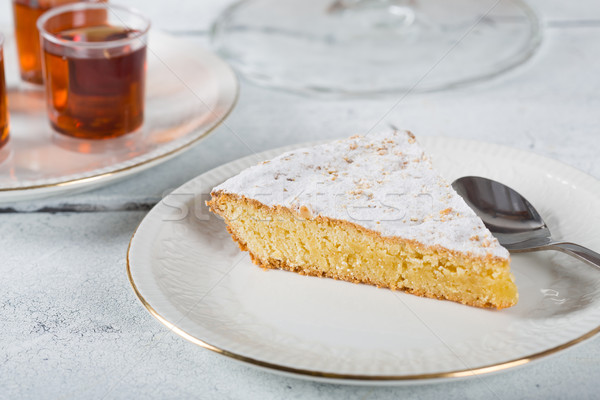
x,y
280,238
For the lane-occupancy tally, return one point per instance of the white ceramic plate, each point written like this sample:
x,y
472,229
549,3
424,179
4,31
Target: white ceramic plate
x,y
189,91
191,276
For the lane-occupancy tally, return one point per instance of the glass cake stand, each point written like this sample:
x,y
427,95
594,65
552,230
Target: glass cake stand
x,y
361,47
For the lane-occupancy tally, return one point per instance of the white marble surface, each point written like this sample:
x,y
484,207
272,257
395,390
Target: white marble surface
x,y
70,326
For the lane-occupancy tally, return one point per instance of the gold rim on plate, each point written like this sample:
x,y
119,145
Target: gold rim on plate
x,y
103,175
463,373
306,373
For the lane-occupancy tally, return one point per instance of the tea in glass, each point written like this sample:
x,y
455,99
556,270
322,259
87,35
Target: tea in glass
x,y
26,13
94,60
4,126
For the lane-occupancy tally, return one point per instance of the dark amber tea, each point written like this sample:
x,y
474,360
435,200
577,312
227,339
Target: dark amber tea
x,y
94,74
96,97
3,104
28,41
26,13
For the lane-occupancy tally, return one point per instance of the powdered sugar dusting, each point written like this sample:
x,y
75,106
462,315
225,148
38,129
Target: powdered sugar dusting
x,y
383,182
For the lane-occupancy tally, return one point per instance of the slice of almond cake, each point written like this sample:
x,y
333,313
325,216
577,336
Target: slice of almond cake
x,y
368,209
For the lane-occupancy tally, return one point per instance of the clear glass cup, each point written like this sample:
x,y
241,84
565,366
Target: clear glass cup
x,y
26,13
94,60
4,125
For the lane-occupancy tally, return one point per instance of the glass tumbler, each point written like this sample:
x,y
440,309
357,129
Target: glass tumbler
x,y
26,13
4,126
94,59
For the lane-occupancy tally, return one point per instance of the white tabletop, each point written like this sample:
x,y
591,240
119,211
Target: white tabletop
x,y
71,327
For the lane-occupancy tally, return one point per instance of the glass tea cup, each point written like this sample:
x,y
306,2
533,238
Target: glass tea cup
x,y
26,14
4,126
94,60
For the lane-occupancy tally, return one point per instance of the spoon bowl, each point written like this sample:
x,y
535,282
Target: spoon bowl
x,y
513,220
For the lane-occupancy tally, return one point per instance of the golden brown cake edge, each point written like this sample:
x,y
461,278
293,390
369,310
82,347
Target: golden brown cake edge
x,y
312,271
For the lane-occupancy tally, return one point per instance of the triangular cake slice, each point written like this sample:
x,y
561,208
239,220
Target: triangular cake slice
x,y
367,209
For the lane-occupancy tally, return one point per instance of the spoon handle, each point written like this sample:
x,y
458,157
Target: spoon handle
x,y
577,251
